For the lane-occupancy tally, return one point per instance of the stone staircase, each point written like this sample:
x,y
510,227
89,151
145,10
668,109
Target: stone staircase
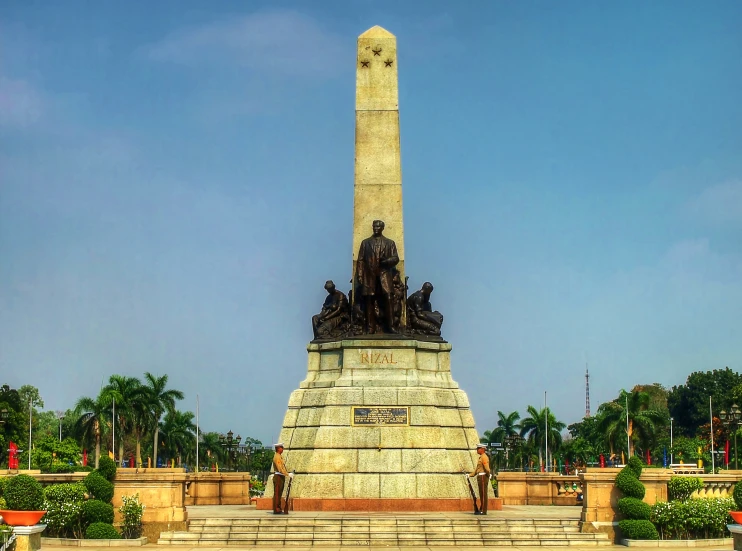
x,y
382,530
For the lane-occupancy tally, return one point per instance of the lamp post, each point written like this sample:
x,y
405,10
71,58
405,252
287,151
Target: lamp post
x,y
60,416
671,420
732,419
230,444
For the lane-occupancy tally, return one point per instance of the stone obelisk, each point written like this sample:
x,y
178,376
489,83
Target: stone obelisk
x,y
378,424
378,173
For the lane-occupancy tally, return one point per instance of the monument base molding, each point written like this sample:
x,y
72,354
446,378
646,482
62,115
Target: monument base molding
x,y
379,505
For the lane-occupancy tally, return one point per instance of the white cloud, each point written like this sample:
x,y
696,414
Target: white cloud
x,y
278,41
720,203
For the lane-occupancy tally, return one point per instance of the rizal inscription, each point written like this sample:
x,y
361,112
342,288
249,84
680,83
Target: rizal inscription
x,y
365,416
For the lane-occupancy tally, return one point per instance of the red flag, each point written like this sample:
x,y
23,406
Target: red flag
x,y
726,454
84,458
649,458
13,456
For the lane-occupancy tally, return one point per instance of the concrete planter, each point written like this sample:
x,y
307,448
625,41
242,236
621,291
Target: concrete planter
x,y
70,542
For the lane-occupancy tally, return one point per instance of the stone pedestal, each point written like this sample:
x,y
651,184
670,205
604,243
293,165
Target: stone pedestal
x,y
28,538
736,531
411,462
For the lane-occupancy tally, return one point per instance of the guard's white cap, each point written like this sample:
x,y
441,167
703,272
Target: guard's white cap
x,y
481,446
279,445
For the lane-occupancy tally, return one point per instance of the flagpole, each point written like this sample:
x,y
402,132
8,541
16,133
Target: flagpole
x,y
546,438
628,437
30,418
113,437
196,432
711,414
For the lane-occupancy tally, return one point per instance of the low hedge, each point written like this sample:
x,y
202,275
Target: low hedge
x,y
634,508
634,529
63,505
102,531
95,510
99,487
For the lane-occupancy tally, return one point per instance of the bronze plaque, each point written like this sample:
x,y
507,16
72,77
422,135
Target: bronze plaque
x,y
380,415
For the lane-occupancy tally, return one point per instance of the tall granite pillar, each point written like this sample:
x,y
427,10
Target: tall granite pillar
x,y
378,173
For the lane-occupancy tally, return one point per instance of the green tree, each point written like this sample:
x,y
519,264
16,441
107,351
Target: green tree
x,y
160,399
642,423
210,451
131,407
93,420
179,435
12,417
689,403
534,429
507,425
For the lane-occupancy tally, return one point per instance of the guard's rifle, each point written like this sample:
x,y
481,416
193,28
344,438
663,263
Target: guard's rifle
x,y
288,493
471,489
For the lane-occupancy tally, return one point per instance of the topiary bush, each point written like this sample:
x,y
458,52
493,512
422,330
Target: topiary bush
x,y
102,531
63,505
634,508
682,487
737,495
629,484
692,519
635,529
23,493
635,465
106,467
637,526
99,487
95,510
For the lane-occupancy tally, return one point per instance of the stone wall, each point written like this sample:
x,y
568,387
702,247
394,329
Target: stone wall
x,y
217,489
534,488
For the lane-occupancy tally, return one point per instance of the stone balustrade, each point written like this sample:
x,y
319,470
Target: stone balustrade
x,y
217,488
534,488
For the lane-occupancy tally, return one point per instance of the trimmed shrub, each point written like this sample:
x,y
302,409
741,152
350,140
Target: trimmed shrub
x,y
737,494
132,511
3,505
682,487
102,531
636,465
23,493
99,487
63,505
634,529
95,510
634,508
106,467
3,482
629,484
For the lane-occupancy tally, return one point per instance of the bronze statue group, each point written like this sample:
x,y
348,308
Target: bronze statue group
x,y
378,299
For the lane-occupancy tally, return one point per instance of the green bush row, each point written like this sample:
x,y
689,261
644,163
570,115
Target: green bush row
x,y
692,519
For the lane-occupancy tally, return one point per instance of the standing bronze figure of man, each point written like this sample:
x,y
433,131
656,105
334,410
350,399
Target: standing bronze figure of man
x,y
375,269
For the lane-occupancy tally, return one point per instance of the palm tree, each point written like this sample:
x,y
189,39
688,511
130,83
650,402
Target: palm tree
x,y
642,420
92,421
507,425
533,428
210,449
179,433
128,395
159,400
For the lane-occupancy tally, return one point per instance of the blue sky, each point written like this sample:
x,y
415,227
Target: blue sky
x,y
176,184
